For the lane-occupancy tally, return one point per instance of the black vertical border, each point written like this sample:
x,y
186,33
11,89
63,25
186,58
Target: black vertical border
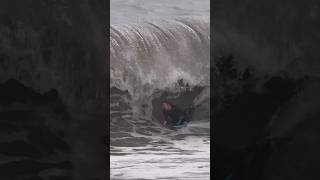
x,y
212,166
108,89
95,165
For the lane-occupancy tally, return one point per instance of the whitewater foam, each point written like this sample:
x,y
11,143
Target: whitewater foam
x,y
155,55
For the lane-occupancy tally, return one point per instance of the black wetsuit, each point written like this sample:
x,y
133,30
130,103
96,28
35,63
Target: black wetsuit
x,y
175,116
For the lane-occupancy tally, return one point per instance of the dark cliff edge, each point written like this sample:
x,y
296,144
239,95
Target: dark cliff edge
x,y
265,89
53,89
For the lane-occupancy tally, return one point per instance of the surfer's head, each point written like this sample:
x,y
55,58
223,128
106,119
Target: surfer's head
x,y
166,105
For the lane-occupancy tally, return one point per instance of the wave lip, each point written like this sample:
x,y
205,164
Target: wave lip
x,y
156,55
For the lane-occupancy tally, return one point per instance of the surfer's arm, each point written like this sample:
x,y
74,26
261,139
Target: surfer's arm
x,y
165,120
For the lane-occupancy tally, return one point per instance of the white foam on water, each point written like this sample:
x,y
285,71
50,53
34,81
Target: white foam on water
x,y
183,159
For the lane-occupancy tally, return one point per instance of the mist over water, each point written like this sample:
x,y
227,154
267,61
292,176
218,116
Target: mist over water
x,y
164,55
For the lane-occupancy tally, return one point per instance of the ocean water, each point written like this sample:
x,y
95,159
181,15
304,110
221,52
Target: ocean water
x,y
159,50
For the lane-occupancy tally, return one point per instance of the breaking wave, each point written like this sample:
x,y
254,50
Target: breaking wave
x,y
155,55
164,59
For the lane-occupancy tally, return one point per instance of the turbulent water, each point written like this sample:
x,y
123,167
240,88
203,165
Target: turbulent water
x,y
164,56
